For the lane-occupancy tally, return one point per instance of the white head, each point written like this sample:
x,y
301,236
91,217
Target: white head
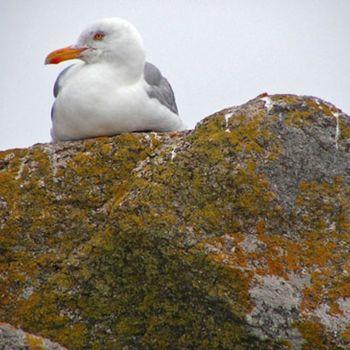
x,y
112,40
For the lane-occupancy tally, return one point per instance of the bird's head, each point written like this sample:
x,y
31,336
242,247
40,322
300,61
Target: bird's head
x,y
113,40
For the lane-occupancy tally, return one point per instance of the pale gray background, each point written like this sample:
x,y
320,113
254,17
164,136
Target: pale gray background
x,y
215,53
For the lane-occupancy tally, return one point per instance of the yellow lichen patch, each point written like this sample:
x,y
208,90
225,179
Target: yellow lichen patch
x,y
344,129
346,334
155,141
120,192
74,336
254,195
252,135
226,251
10,165
288,100
298,118
325,206
247,134
34,342
39,310
314,335
313,104
106,148
43,163
321,106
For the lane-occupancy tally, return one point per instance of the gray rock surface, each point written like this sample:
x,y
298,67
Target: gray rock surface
x,y
233,236
12,338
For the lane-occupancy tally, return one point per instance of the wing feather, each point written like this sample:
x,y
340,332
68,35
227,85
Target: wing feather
x,y
57,86
159,87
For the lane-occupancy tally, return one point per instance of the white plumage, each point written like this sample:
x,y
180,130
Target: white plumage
x,y
113,90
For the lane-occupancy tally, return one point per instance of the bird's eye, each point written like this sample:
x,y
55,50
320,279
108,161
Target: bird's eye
x,y
99,36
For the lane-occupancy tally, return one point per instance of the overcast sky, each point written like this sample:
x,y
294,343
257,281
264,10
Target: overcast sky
x,y
214,53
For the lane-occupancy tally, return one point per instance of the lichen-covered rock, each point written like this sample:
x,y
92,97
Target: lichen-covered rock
x,y
233,236
15,339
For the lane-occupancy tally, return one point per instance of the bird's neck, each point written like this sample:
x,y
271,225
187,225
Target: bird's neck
x,y
127,67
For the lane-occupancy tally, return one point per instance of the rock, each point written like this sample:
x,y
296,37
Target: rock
x,y
233,236
15,339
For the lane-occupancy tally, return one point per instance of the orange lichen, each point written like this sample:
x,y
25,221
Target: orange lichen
x,y
335,310
260,227
311,299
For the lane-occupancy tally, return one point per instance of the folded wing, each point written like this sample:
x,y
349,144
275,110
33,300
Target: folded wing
x,y
159,87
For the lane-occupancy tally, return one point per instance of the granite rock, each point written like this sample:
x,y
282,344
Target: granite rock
x,y
232,236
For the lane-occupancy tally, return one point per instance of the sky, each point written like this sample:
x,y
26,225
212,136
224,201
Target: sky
x,y
216,54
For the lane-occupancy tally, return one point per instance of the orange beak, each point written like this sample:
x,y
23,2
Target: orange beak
x,y
67,53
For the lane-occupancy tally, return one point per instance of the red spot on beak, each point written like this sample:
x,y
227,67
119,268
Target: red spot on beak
x,y
55,60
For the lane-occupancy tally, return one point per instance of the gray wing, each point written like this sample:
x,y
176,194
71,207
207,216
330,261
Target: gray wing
x,y
159,87
57,86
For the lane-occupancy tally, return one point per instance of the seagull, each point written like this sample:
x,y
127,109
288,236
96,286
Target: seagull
x,y
112,89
